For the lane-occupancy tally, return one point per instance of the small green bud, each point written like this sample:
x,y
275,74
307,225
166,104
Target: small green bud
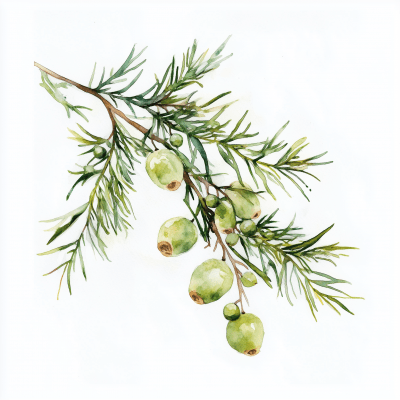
x,y
258,241
232,239
231,312
267,234
248,227
176,140
212,201
87,169
99,152
248,279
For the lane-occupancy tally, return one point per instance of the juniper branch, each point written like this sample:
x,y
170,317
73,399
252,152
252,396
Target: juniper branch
x,y
184,118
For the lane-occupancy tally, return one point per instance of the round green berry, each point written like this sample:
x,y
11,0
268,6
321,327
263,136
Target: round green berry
x,y
99,152
231,312
210,281
165,169
87,169
248,227
248,279
176,236
176,140
212,201
245,334
232,239
225,218
245,202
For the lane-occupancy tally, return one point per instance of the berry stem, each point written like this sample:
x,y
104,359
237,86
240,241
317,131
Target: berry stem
x,y
112,111
225,251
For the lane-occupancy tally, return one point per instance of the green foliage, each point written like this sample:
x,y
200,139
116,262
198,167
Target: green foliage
x,y
292,260
280,251
109,206
54,91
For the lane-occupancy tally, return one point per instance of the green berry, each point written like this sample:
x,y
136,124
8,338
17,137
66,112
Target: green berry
x,y
231,312
225,217
99,152
210,281
232,239
245,202
212,201
245,334
176,140
176,236
267,234
248,227
165,169
248,279
87,169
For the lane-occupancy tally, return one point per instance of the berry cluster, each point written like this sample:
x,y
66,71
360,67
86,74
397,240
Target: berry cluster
x,y
213,278
233,210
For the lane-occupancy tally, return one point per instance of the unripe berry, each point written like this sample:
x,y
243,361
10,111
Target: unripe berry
x,y
176,140
245,202
99,152
232,239
176,236
212,201
210,281
225,217
245,334
231,312
248,227
165,169
248,279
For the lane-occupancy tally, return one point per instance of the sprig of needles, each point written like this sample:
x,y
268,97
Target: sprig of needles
x,y
108,207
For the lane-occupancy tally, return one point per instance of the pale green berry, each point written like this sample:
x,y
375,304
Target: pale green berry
x,y
232,239
248,279
245,202
212,201
99,152
87,169
225,217
176,236
248,227
231,312
176,140
165,169
210,281
245,334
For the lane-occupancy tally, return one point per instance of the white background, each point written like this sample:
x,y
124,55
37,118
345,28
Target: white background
x,y
131,331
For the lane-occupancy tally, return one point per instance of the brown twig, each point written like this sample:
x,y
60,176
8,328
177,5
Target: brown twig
x,y
112,111
225,251
208,184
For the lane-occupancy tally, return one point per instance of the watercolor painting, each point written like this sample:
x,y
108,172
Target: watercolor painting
x,y
199,200
251,247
